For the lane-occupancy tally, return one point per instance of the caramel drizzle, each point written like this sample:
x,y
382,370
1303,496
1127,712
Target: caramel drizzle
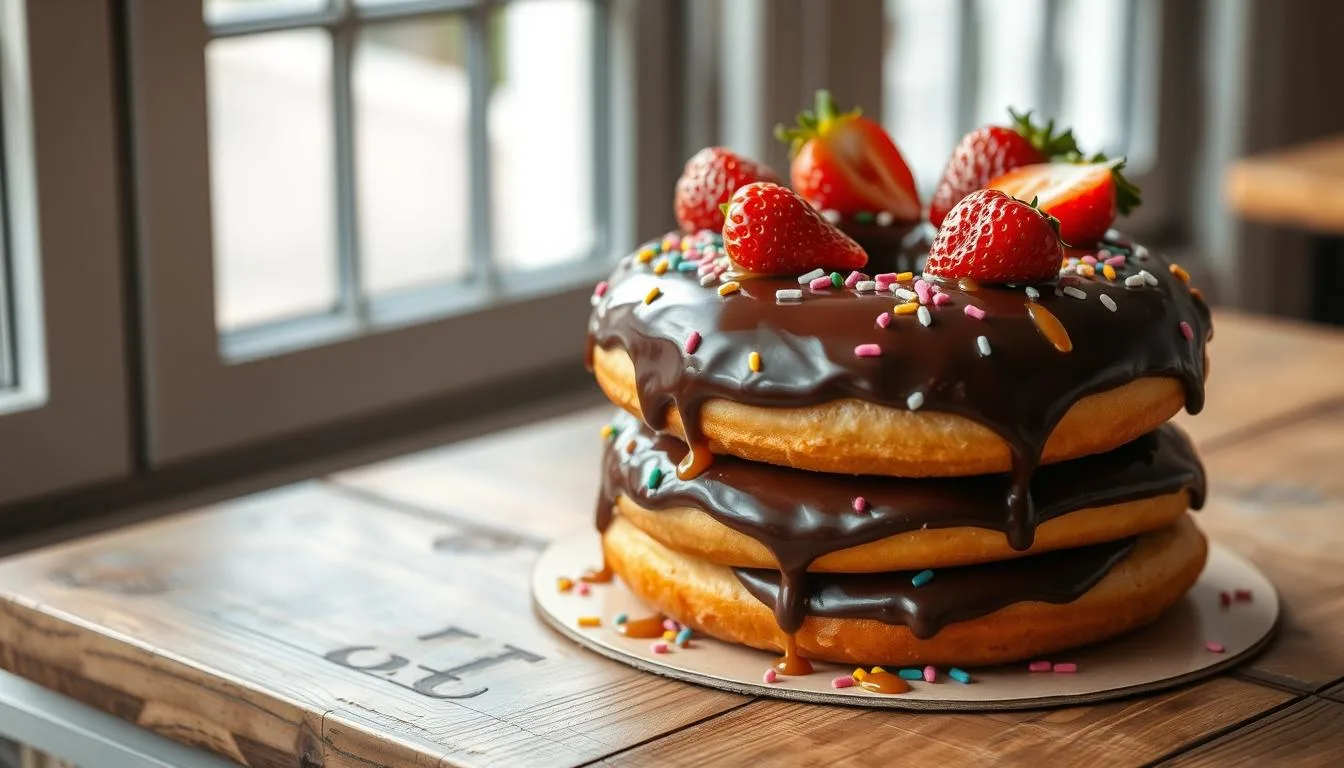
x,y
648,627
791,663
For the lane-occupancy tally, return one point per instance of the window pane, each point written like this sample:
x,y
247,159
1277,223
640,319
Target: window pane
x,y
541,132
920,110
411,105
225,11
271,176
1093,75
1009,51
6,344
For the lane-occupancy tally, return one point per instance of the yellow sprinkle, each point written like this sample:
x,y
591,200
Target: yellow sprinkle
x,y
903,276
1086,270
686,243
646,255
859,674
1108,271
754,362
653,293
729,287
590,621
1063,263
876,670
660,267
563,584
907,309
1180,273
608,431
669,635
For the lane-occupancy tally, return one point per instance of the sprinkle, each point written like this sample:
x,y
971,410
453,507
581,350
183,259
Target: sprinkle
x,y
683,636
906,309
729,287
885,218
905,294
1066,668
770,675
860,504
659,647
1086,270
1107,302
1032,293
925,318
884,320
910,673
854,278
630,447
608,432
1147,277
915,400
653,293
810,276
922,578
1108,271
646,255
836,280
982,344
692,342
939,299
1115,261
820,283
1198,294
1187,331
1039,666
1075,292
687,242
876,670
831,215
1181,274
864,217
600,289
1243,595
1068,270
563,584
1090,260
973,311
903,276
688,266
885,279
754,362
670,625
583,589
922,291
1224,598
1213,647
1134,281
788,294
960,675
669,636
868,350
661,266
930,674
655,477
706,268
843,681
865,286
858,674
590,621
620,619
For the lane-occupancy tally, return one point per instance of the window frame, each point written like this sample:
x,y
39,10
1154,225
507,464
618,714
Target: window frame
x,y
66,423
205,398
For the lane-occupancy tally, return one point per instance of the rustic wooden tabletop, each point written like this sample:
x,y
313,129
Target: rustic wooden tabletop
x,y
381,616
1301,186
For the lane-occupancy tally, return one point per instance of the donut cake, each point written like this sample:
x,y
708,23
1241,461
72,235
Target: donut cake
x,y
855,430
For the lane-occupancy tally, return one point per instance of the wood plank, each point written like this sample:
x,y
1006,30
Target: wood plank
x,y
1126,732
1335,693
1302,186
1278,498
1310,732
306,624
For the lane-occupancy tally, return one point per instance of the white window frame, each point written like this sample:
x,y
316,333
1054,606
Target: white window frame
x,y
203,399
66,423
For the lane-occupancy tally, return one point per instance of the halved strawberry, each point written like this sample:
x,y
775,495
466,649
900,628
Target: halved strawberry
x,y
991,151
1085,197
993,238
711,176
770,230
847,163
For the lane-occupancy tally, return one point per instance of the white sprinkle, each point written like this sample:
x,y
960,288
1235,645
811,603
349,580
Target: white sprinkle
x,y
983,344
788,294
1147,277
810,276
915,400
1134,281
1069,270
1032,293
724,277
831,215
925,319
885,219
1108,302
866,286
595,298
709,278
1075,292
904,294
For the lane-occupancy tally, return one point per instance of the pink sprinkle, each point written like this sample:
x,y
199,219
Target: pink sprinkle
x,y
1243,595
1224,598
853,278
860,504
868,350
1187,331
583,589
974,311
1090,260
884,280
659,647
930,673
922,291
1213,647
770,675
600,289
1067,668
884,320
1116,261
843,681
1039,666
692,342
819,283
670,625
705,268
939,299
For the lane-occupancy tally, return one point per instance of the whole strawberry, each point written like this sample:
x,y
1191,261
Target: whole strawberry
x,y
770,230
989,152
993,238
711,176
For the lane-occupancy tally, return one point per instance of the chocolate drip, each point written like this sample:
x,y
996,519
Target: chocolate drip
x,y
953,595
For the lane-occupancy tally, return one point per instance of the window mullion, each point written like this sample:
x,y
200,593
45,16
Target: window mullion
x,y
351,293
480,77
967,66
601,137
1048,81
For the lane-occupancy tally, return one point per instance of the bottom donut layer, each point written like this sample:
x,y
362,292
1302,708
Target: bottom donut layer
x,y
710,598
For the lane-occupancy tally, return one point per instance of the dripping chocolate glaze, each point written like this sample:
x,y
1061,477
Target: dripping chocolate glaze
x,y
952,595
801,516
1020,391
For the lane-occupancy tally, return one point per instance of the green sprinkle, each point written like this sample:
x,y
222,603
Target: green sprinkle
x,y
656,477
960,675
864,217
922,578
1114,248
620,619
837,280
910,673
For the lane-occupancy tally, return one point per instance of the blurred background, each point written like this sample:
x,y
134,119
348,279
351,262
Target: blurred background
x,y
246,239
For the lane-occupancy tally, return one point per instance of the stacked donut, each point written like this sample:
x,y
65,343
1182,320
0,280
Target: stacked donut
x,y
805,466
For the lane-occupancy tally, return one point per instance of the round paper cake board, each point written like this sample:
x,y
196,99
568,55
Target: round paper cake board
x,y
1169,652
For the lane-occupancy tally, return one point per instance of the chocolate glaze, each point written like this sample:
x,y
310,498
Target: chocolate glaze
x,y
807,348
801,516
952,595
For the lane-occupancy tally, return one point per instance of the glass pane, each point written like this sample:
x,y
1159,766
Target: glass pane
x,y
541,132
411,105
6,345
271,176
225,11
920,111
1009,54
1093,75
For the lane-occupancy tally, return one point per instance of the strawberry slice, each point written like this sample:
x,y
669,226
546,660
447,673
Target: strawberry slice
x,y
711,176
991,151
1085,197
993,238
847,163
770,230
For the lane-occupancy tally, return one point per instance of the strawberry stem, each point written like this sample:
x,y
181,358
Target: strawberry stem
x,y
810,124
1043,137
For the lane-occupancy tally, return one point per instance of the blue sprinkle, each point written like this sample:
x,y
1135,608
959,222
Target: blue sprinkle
x,y
688,266
921,578
910,673
960,675
656,477
620,619
674,261
684,636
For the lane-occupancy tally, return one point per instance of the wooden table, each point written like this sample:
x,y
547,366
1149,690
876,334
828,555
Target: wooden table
x,y
1302,186
381,616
